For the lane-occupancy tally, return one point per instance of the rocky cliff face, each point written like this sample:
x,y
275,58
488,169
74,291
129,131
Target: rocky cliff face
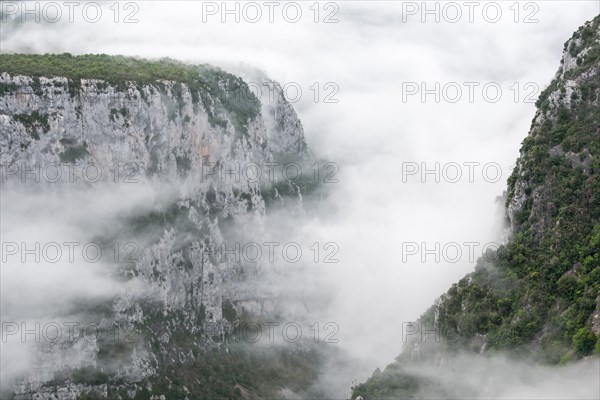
x,y
537,297
570,98
180,296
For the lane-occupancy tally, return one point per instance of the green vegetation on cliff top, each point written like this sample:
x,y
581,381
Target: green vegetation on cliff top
x,y
224,96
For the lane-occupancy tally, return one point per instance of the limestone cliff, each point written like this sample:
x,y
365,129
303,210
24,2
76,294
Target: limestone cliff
x,y
178,129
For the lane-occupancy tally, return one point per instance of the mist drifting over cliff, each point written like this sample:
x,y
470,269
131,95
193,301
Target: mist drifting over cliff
x,y
354,76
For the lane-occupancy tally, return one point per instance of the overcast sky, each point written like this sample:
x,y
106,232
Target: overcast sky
x,y
373,58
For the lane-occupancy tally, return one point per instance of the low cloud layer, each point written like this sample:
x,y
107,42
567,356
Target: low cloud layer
x,y
51,268
498,377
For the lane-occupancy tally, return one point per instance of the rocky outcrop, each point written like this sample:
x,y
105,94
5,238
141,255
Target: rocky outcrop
x,y
177,140
569,91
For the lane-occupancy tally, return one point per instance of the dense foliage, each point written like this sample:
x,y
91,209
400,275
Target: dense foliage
x,y
537,296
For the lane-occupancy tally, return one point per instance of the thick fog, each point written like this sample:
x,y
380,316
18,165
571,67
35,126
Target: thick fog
x,y
498,377
359,109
